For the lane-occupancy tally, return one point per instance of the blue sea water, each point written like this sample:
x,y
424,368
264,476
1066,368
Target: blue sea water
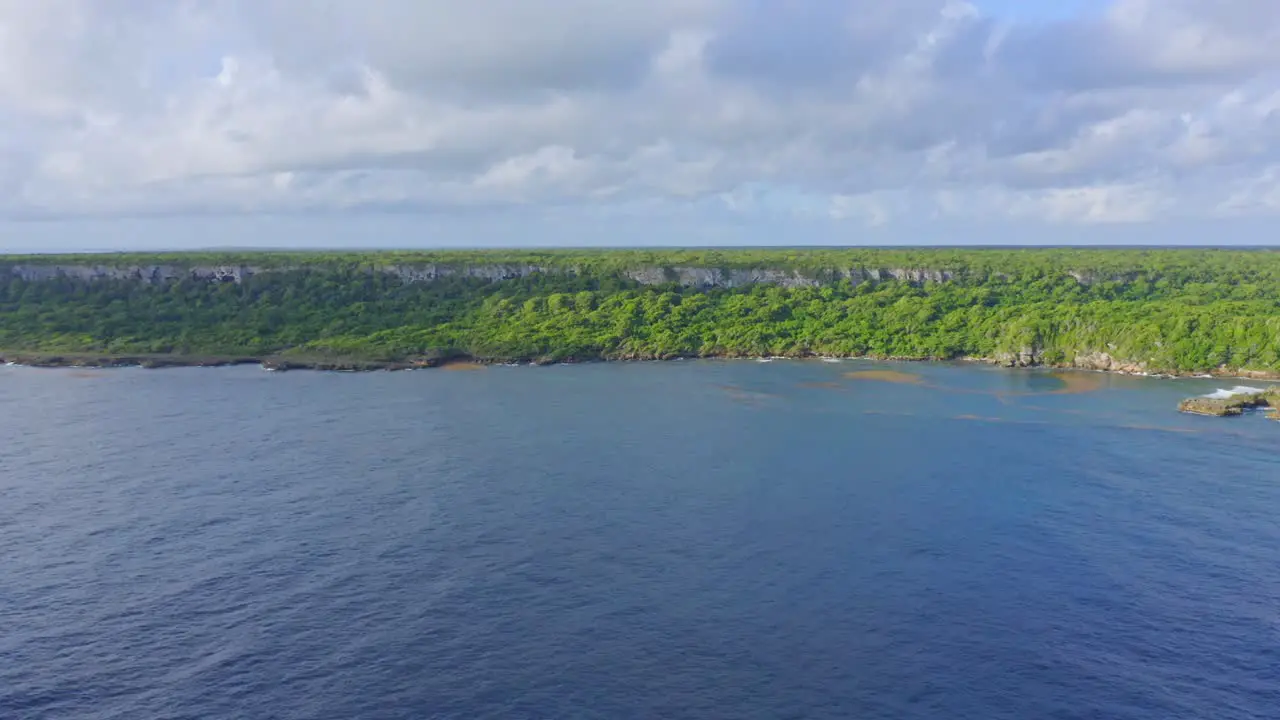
x,y
667,540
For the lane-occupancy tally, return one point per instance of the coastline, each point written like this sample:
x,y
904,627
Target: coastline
x,y
164,361
277,362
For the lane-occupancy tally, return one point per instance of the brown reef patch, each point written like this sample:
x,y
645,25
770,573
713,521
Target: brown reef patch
x,y
463,366
889,376
742,395
1075,383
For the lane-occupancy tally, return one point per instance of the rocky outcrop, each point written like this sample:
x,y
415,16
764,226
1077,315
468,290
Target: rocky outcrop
x,y
1234,404
1025,357
1032,356
1104,361
1213,407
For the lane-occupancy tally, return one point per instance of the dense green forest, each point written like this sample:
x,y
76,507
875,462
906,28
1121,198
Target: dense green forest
x,y
1158,310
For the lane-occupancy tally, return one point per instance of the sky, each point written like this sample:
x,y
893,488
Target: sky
x,y
146,124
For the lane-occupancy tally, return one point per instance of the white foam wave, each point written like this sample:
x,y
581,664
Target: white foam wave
x,y
1223,394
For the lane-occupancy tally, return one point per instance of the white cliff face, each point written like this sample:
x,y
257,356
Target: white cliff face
x,y
730,278
692,277
150,274
701,277
920,276
492,273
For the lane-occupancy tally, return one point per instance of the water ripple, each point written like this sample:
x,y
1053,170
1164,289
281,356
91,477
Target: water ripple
x,y
629,541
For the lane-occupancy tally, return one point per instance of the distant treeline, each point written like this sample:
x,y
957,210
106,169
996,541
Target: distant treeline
x,y
1168,310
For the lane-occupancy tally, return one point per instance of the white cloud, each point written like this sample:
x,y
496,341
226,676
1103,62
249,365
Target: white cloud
x,y
478,47
1099,204
1258,194
871,209
869,111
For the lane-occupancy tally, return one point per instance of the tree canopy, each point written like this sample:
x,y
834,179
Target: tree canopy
x,y
1171,310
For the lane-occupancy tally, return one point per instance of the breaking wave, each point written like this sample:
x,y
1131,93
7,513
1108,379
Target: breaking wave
x,y
1223,394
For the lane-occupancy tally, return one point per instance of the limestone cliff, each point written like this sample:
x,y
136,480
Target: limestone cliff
x,y
694,277
150,274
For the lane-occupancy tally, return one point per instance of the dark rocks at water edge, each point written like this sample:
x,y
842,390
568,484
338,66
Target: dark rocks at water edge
x,y
1234,402
273,362
82,360
340,365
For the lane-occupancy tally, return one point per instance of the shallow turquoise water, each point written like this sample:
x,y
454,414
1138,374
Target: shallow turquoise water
x,y
686,539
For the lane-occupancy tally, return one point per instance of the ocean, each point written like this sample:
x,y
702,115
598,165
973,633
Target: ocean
x,y
720,539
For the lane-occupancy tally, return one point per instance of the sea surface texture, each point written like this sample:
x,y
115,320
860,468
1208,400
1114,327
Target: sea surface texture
x,y
667,540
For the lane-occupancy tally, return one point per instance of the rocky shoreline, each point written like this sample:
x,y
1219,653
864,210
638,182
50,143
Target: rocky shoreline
x,y
1210,406
1095,362
156,362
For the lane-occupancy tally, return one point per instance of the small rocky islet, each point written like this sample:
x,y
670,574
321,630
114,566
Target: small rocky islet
x,y
1228,403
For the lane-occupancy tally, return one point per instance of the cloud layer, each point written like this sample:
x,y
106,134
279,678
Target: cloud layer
x,y
858,111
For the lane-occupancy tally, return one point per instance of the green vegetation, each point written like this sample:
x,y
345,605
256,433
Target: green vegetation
x,y
1158,310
